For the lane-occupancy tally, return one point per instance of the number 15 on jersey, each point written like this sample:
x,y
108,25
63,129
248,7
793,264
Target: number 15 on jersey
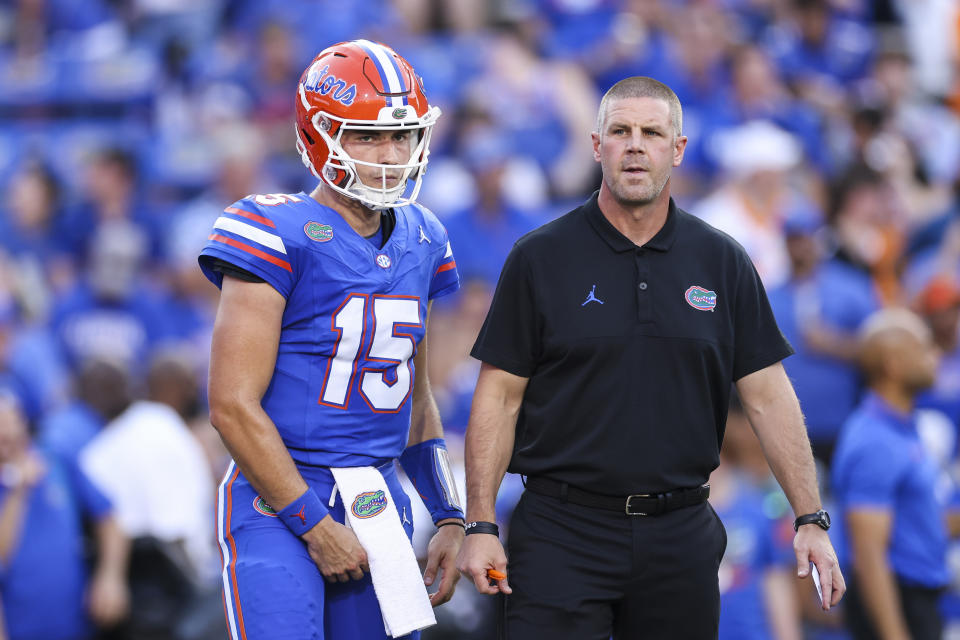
x,y
378,320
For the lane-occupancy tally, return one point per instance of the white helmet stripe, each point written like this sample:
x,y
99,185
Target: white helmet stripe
x,y
389,72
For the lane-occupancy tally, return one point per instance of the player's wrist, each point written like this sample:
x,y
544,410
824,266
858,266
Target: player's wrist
x,y
304,513
428,467
452,522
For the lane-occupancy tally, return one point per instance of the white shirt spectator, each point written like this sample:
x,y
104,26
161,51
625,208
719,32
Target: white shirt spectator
x,y
155,473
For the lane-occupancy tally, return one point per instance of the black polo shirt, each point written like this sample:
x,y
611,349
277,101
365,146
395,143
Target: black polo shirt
x,y
630,351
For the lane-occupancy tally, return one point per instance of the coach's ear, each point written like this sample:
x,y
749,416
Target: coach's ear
x,y
680,145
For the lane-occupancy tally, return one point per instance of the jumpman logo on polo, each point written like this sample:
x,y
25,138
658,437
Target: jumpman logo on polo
x,y
592,296
300,515
423,236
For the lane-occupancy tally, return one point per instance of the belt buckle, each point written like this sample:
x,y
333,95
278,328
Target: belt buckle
x,y
626,507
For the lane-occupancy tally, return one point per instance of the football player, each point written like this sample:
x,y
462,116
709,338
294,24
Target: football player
x,y
318,360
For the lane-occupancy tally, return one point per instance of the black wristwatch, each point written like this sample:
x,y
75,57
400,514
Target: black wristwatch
x,y
820,518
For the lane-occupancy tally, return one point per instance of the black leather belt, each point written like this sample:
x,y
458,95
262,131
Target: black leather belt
x,y
638,504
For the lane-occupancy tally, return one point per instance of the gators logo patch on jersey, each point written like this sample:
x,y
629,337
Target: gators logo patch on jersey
x,y
318,232
369,504
700,298
261,505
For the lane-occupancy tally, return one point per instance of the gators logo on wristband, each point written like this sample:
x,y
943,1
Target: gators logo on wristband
x,y
369,504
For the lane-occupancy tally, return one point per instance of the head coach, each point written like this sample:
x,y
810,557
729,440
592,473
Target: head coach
x,y
608,353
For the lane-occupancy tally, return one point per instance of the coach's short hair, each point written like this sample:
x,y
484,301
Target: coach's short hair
x,y
643,87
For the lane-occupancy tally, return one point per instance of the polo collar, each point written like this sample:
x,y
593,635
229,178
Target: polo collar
x,y
662,241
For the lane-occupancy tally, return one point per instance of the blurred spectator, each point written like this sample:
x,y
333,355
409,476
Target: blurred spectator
x,y
867,220
927,125
111,197
453,373
932,36
551,104
757,600
114,312
239,172
31,233
148,463
484,232
750,206
820,51
885,482
939,305
757,92
101,394
819,310
30,361
45,588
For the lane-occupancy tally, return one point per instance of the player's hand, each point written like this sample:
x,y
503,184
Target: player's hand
x,y
108,599
479,553
442,555
812,544
336,551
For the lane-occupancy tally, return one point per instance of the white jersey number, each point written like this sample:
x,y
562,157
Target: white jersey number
x,y
384,387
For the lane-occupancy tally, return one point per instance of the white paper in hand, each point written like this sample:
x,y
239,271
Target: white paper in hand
x,y
815,576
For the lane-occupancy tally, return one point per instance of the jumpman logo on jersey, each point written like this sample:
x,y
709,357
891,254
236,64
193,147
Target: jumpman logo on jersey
x,y
300,514
592,296
423,236
405,519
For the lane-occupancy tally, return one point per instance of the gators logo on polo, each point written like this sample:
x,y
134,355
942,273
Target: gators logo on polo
x,y
318,232
261,505
700,298
369,504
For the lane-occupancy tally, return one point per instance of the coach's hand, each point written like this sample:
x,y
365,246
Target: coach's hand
x,y
480,552
812,544
442,555
336,551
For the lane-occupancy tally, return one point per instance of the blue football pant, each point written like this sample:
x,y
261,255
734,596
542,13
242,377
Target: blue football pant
x,y
272,588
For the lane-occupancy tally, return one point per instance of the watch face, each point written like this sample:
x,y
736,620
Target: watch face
x,y
825,519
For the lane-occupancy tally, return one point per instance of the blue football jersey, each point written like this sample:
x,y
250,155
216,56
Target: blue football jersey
x,y
341,388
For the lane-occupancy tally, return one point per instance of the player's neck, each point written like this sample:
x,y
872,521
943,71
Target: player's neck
x,y
364,221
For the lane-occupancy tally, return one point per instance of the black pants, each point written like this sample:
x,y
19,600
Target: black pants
x,y
584,573
921,609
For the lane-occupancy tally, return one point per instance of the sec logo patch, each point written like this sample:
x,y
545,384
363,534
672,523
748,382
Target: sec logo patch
x,y
383,261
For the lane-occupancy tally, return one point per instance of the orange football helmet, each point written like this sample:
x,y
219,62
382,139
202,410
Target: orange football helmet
x,y
362,85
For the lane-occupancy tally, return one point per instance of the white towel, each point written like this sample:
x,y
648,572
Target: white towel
x,y
393,566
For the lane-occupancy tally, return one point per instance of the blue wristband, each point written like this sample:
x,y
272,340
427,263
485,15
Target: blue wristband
x,y
428,467
304,513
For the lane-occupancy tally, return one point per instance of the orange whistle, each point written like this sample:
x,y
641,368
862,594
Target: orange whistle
x,y
493,574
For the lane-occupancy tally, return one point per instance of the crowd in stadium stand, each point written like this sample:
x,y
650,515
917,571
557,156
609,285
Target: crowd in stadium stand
x,y
824,135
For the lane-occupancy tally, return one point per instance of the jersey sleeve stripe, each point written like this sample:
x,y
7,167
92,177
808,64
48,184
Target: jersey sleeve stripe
x,y
250,232
449,251
446,267
251,250
252,216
